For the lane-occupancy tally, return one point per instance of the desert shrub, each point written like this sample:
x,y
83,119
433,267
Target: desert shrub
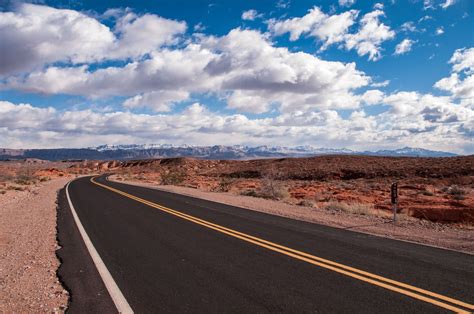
x,y
24,175
459,197
127,174
427,193
245,174
336,206
61,174
306,203
3,191
321,197
44,179
24,179
353,208
5,177
172,178
454,190
224,184
351,174
273,189
252,193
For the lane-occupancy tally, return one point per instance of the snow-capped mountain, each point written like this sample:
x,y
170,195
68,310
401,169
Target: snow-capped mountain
x,y
145,151
106,147
240,151
409,151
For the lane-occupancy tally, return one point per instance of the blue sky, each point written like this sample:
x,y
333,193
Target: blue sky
x,y
356,74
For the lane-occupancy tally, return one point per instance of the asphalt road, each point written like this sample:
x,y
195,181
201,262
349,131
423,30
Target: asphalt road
x,y
170,253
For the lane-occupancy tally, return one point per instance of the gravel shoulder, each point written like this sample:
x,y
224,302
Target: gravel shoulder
x,y
448,236
28,262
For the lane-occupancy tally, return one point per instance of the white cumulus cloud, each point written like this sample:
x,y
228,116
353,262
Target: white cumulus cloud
x,y
404,46
139,35
250,15
161,101
463,59
36,35
372,33
408,27
414,119
447,3
332,29
460,83
241,64
346,3
298,25
378,6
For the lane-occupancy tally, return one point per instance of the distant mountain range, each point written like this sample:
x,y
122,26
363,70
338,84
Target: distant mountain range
x,y
146,151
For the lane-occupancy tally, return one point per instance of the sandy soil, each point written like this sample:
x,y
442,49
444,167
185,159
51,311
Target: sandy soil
x,y
450,236
28,262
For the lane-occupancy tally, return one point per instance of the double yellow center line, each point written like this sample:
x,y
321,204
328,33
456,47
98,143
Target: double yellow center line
x,y
389,284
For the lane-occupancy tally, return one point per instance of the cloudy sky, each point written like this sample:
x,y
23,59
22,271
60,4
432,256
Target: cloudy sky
x,y
348,73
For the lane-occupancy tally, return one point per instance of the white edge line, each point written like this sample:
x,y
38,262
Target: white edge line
x,y
119,300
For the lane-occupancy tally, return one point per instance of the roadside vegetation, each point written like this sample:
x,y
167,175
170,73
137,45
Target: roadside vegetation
x,y
456,192
21,179
356,208
172,177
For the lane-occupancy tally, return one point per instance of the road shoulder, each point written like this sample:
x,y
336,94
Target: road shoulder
x,y
78,271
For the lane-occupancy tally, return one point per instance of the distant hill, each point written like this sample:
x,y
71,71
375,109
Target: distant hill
x,y
122,152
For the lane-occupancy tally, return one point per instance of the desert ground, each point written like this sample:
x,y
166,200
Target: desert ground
x,y
436,204
28,262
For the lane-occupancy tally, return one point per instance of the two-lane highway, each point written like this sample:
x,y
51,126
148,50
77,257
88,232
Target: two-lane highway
x,y
173,253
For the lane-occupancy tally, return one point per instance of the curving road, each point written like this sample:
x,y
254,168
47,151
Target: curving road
x,y
168,253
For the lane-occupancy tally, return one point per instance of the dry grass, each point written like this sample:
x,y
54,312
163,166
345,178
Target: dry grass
x,y
322,197
6,178
23,176
16,188
270,190
172,178
273,189
306,203
224,184
18,180
251,193
454,190
355,208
